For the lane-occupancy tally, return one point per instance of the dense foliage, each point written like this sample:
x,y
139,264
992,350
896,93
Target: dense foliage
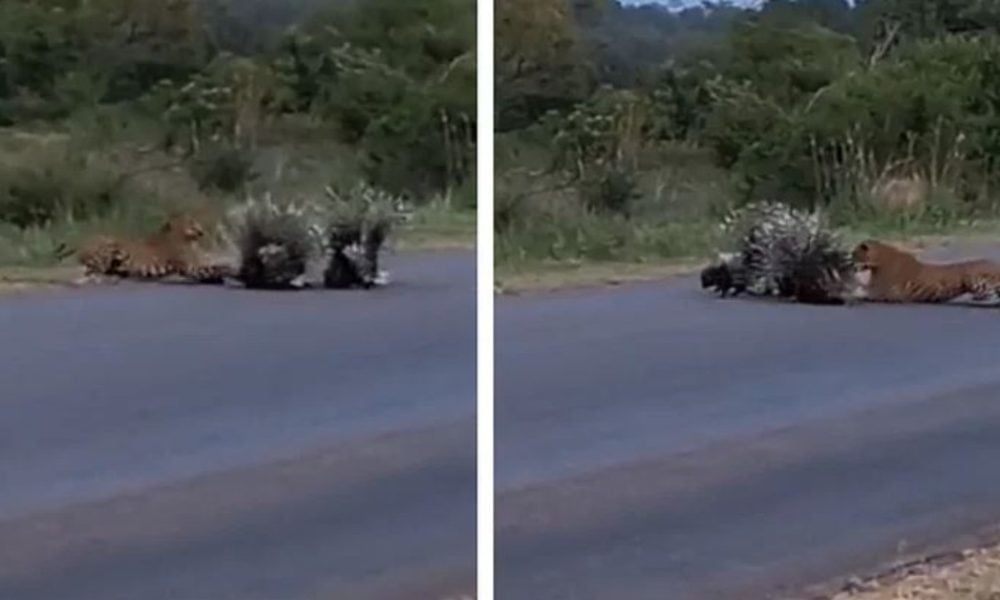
x,y
864,108
217,79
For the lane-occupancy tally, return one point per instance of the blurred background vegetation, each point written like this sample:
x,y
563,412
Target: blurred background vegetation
x,y
624,131
114,112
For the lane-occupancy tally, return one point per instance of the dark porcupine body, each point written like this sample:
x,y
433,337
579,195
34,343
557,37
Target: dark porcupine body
x,y
271,266
820,274
787,253
726,278
344,270
343,273
275,243
814,268
354,255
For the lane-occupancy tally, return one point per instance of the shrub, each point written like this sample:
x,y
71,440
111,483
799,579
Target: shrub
x,y
224,168
613,190
51,182
412,120
557,227
605,132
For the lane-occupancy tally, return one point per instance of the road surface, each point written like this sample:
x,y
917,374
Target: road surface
x,y
654,442
201,443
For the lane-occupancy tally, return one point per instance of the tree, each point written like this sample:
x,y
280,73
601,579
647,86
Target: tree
x,y
790,64
835,15
540,63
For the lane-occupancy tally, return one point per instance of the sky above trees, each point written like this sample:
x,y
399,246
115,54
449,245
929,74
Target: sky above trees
x,y
686,3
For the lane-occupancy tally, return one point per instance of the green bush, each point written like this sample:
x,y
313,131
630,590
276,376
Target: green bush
x,y
582,235
537,224
399,81
51,183
613,191
607,132
789,64
930,111
223,168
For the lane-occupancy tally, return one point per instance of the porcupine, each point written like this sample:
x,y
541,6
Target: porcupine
x,y
784,252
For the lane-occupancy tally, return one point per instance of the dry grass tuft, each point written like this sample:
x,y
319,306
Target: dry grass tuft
x,y
972,575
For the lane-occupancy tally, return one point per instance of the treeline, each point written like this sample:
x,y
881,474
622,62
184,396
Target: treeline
x,y
815,102
395,80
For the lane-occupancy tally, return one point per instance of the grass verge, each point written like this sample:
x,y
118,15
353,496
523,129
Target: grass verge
x,y
438,228
20,279
516,277
62,186
27,259
967,575
542,277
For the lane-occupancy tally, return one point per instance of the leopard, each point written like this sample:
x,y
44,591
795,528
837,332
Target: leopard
x,y
170,251
896,275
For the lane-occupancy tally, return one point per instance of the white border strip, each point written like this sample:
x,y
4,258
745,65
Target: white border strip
x,y
484,301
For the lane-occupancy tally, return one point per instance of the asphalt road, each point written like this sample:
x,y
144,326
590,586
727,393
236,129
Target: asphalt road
x,y
201,443
654,442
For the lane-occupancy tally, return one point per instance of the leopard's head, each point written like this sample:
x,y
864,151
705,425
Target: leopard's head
x,y
183,226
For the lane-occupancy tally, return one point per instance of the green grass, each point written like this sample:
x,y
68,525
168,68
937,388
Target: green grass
x,y
555,233
596,249
438,227
555,276
889,228
551,234
548,275
16,279
691,253
69,164
597,239
550,241
431,228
